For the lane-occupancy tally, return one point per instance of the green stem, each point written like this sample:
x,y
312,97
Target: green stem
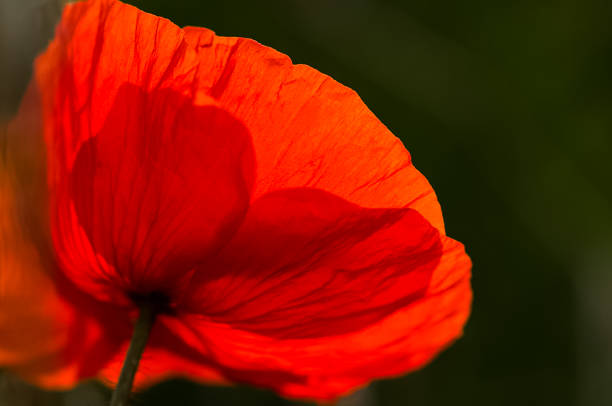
x,y
140,336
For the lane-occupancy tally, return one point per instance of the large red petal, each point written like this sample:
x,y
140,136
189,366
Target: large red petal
x,y
30,338
326,367
309,130
47,327
316,367
147,174
306,263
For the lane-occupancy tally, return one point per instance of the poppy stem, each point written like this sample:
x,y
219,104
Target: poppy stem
x,y
143,326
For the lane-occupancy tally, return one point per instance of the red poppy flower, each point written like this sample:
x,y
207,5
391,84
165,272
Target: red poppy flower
x,y
294,244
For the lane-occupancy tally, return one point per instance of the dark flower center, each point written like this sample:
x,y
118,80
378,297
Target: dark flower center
x,y
158,301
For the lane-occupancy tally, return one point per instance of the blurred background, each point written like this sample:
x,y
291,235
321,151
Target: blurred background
x,y
506,107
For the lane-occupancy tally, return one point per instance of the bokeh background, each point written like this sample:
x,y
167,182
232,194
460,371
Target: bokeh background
x,y
506,107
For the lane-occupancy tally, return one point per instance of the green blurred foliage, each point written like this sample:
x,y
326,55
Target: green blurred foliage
x,y
506,107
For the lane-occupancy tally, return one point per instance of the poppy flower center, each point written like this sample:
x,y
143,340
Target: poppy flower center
x,y
159,302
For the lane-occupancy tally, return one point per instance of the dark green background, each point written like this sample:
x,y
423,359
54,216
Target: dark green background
x,y
506,107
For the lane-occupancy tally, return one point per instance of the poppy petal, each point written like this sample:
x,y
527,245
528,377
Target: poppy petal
x,y
47,327
321,368
309,130
29,336
306,263
147,175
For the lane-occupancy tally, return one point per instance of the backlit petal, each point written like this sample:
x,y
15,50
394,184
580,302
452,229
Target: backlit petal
x,y
322,367
44,332
147,175
306,263
309,130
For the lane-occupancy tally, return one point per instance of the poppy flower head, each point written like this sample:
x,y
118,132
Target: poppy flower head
x,y
291,240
